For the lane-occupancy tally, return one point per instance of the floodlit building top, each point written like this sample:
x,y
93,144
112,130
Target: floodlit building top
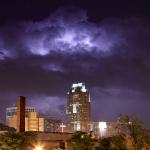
x,y
78,87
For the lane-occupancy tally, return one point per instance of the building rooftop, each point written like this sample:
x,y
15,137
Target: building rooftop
x,y
78,87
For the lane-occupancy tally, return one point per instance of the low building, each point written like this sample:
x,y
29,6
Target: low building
x,y
103,129
12,121
5,128
32,122
51,124
12,110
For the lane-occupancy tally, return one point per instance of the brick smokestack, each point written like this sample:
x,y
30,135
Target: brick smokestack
x,y
21,114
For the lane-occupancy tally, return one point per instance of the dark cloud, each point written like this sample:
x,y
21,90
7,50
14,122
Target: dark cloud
x,y
42,59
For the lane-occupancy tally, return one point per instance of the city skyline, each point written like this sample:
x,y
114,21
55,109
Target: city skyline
x,y
46,47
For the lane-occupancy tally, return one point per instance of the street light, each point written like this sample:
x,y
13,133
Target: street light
x,y
38,147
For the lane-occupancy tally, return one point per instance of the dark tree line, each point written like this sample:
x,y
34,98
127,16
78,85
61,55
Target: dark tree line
x,y
16,141
131,136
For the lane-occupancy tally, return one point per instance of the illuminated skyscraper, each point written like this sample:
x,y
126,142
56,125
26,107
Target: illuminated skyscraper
x,y
78,108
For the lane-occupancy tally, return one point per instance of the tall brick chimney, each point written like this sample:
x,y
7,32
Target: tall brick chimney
x,y
21,114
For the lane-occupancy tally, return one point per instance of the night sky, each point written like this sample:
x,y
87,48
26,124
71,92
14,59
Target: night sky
x,y
45,46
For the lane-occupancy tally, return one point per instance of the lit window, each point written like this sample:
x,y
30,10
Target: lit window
x,y
74,108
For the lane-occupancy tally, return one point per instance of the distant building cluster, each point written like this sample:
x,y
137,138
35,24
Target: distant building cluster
x,y
33,121
78,112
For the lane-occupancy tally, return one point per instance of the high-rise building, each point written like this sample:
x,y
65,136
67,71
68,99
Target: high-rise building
x,y
78,108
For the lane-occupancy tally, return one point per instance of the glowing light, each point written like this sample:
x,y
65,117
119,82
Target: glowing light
x,y
68,37
39,50
38,147
74,108
83,89
62,126
75,85
102,127
73,90
87,41
80,85
89,98
72,38
77,125
4,53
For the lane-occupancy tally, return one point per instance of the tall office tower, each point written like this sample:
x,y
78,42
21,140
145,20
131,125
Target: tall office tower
x,y
78,108
21,114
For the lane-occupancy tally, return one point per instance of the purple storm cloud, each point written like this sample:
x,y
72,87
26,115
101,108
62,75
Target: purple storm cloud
x,y
42,59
